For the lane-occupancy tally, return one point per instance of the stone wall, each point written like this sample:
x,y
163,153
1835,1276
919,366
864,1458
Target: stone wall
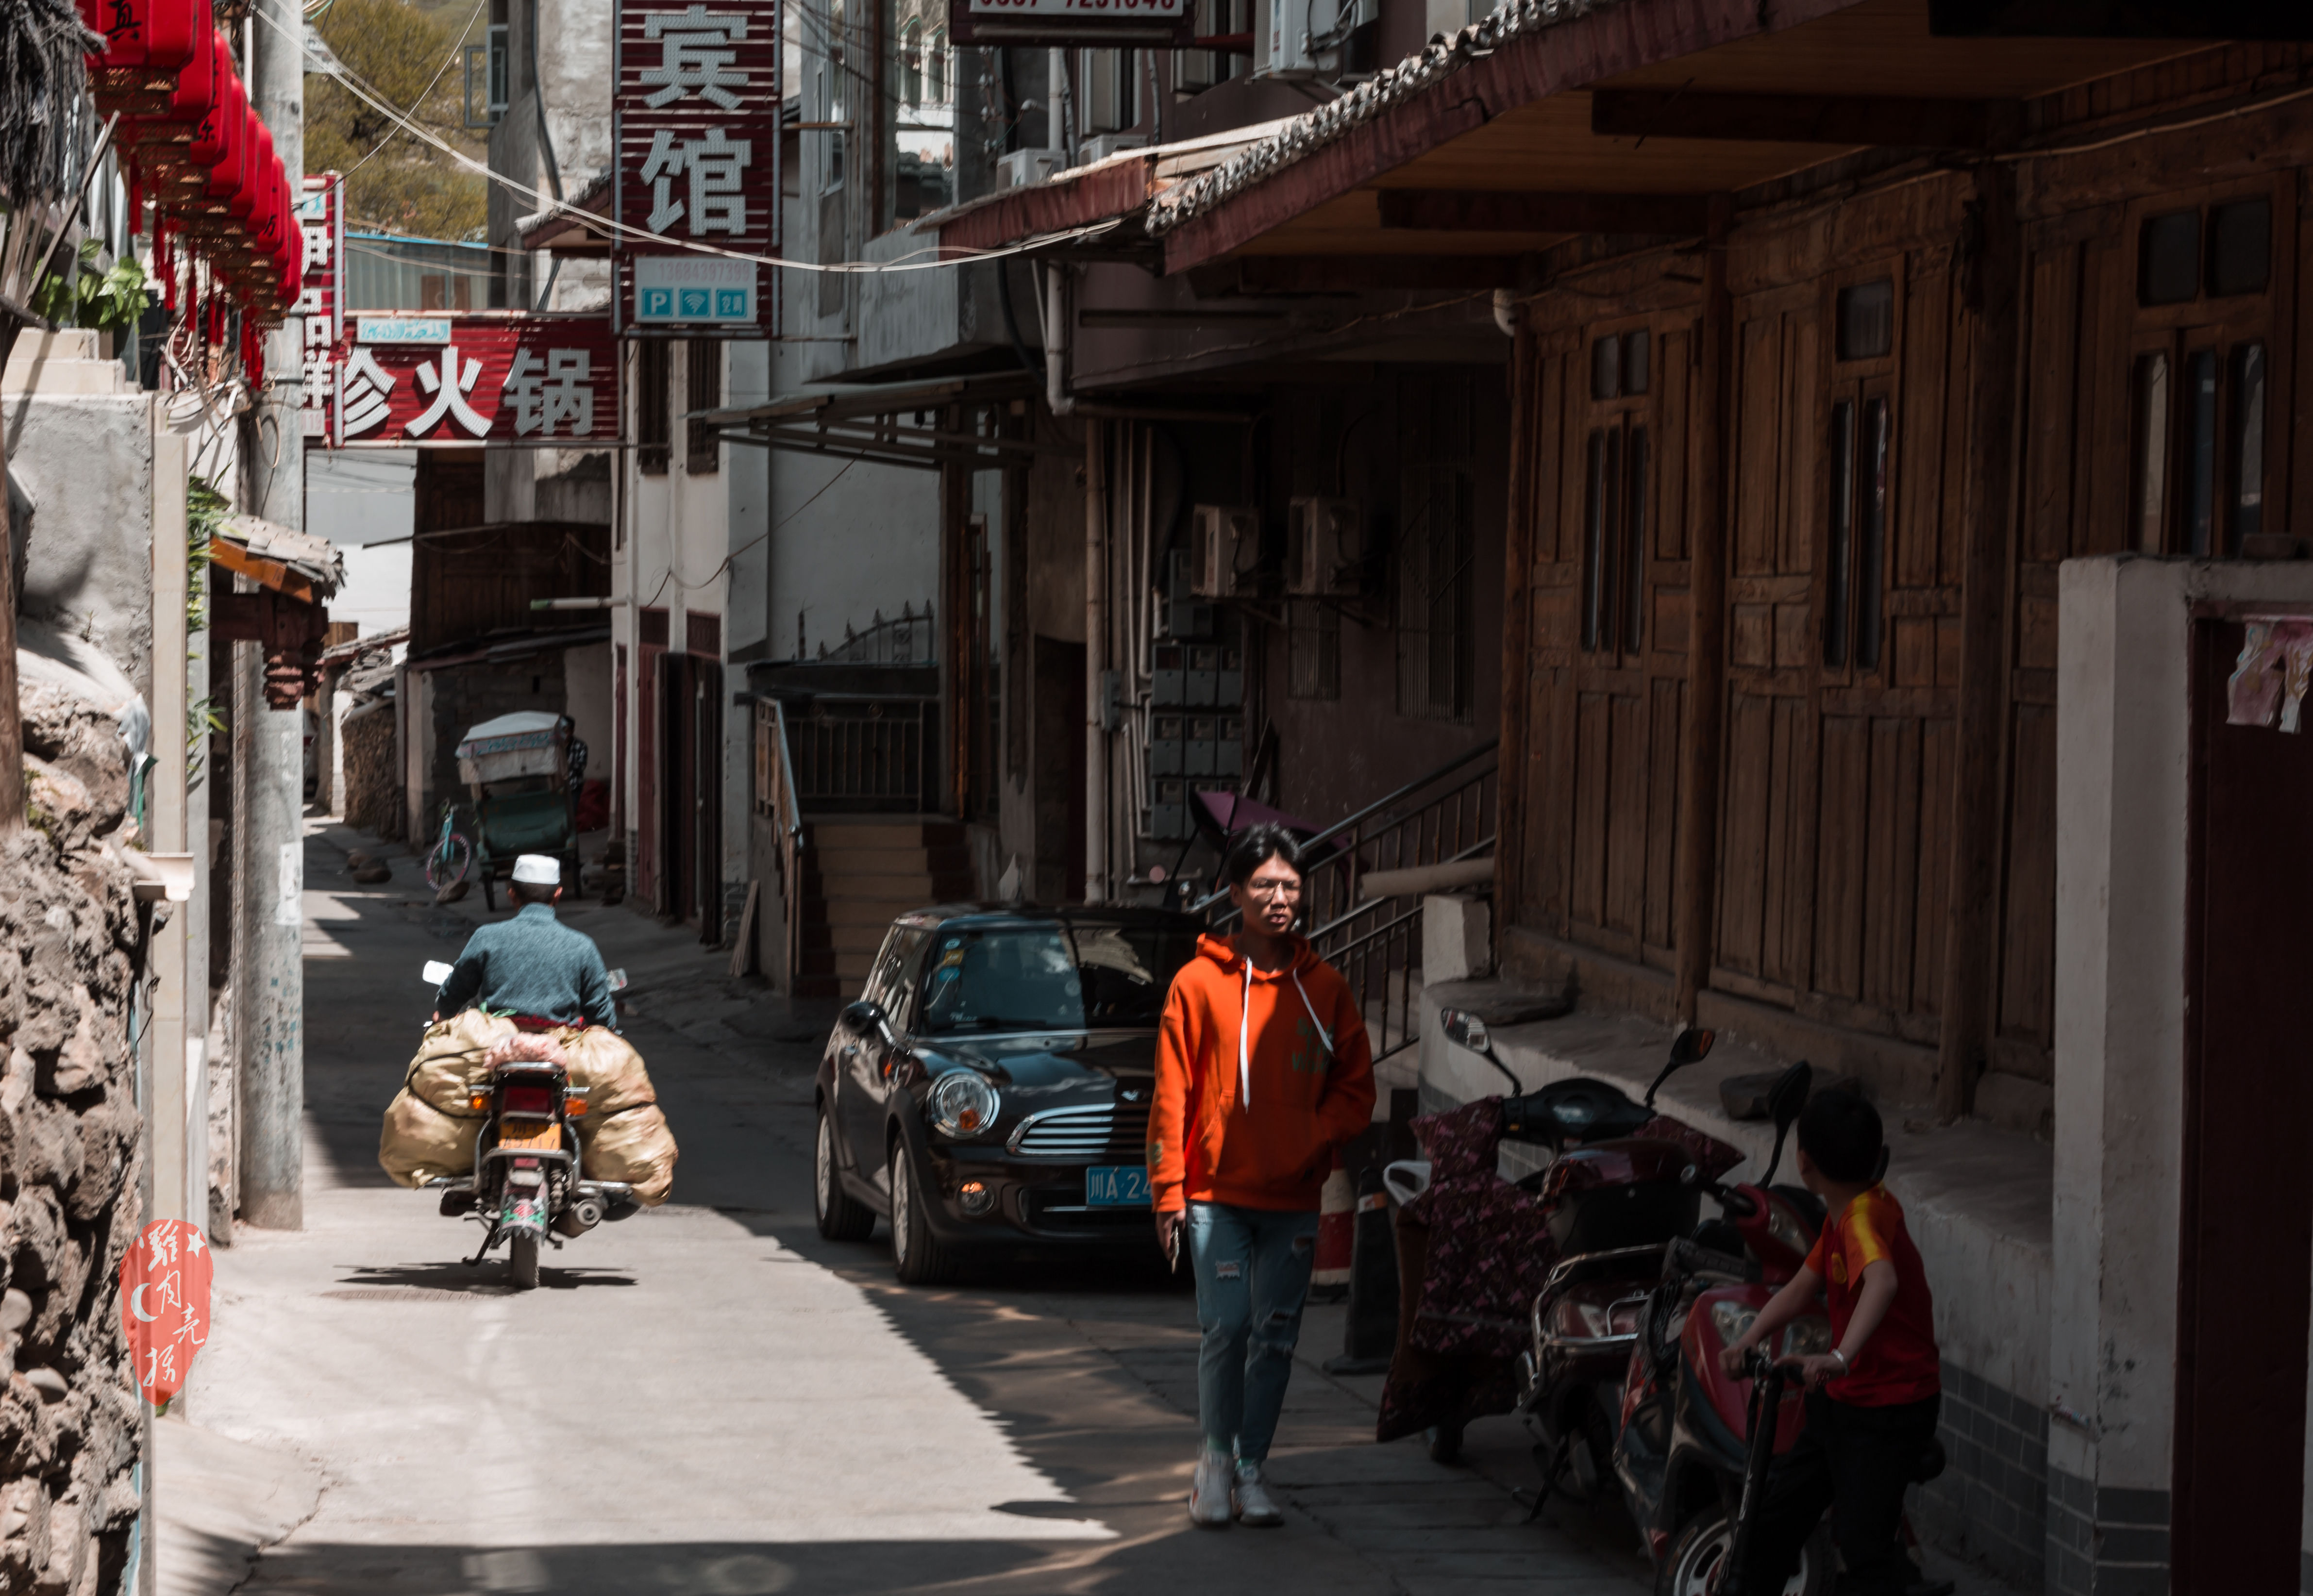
x,y
373,767
70,1163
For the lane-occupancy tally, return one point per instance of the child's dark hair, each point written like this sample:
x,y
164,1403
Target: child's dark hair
x,y
1841,1134
1255,847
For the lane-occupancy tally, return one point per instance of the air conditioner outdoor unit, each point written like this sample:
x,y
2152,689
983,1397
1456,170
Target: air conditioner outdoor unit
x,y
1325,546
1022,169
1103,146
1282,40
1228,544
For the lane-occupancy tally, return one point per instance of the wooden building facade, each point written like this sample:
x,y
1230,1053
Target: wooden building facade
x,y
1786,520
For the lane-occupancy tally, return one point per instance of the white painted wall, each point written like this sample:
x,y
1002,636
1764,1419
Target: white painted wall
x,y
2123,748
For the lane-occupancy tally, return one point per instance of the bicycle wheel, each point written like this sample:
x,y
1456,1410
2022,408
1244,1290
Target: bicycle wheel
x,y
447,865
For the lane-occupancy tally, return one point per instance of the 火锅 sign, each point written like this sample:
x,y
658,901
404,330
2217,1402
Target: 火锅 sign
x,y
503,379
696,125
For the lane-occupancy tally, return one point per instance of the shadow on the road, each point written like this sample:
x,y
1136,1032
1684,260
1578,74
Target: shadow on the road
x,y
737,1568
487,1278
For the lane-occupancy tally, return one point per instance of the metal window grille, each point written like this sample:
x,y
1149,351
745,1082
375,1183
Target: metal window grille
x,y
702,442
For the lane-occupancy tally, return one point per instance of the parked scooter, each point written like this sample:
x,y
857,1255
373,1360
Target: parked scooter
x,y
526,1186
1611,1202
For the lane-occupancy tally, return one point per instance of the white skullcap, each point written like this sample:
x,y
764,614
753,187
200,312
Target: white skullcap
x,y
538,870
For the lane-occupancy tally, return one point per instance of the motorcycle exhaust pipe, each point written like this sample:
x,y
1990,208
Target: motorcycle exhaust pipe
x,y
581,1217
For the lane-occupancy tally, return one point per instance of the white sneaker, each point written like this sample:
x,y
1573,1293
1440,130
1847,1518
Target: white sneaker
x,y
1255,1507
1208,1493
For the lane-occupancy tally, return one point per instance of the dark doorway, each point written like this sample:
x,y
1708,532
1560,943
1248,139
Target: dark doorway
x,y
2245,1273
676,786
1058,767
707,796
650,786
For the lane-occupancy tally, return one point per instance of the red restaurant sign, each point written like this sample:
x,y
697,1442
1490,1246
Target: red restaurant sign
x,y
506,378
696,125
164,1305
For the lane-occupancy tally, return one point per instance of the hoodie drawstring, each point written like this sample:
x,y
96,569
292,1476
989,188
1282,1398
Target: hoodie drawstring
x,y
1244,1035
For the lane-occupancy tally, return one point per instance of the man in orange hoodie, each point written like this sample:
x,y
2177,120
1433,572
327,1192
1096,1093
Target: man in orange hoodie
x,y
1264,1068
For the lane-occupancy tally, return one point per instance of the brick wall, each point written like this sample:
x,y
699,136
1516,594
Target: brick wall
x,y
1991,1504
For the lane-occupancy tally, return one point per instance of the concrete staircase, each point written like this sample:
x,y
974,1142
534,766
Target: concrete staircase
x,y
860,873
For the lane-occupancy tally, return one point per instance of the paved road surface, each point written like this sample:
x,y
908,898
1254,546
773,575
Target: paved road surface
x,y
708,1398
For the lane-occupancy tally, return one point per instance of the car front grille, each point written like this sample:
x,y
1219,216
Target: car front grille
x,y
1093,1133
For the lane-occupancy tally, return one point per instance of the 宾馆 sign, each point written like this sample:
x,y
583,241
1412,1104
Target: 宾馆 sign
x,y
695,118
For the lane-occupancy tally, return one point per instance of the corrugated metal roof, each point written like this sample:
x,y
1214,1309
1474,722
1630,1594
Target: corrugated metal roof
x,y
1304,135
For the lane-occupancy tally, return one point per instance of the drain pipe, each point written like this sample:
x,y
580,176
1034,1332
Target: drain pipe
x,y
1056,339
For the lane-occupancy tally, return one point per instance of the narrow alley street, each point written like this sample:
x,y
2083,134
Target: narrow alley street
x,y
708,1398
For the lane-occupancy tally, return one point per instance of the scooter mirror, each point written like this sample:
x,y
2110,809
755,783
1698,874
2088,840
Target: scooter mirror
x,y
1691,1046
1468,1031
1785,1099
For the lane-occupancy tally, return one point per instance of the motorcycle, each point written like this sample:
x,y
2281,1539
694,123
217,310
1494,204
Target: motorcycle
x,y
1611,1199
526,1187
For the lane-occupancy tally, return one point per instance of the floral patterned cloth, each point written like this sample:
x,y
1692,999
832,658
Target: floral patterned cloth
x,y
1473,1251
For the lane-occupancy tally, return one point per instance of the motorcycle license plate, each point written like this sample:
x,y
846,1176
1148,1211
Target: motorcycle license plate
x,y
1116,1185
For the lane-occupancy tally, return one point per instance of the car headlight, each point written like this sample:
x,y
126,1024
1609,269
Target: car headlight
x,y
963,1104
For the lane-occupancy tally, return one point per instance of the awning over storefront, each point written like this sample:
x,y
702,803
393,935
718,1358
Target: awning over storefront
x,y
1555,119
900,424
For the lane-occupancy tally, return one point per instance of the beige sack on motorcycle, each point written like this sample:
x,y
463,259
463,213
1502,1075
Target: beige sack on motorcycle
x,y
634,1146
420,1142
451,1062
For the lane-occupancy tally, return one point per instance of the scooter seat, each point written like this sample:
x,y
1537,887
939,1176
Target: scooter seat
x,y
1931,1462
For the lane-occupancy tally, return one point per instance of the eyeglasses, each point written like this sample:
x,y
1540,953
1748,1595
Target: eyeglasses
x,y
1273,890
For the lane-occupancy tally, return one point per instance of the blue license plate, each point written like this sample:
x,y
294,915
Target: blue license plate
x,y
1116,1185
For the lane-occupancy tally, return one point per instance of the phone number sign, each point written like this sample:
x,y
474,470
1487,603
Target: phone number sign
x,y
1071,21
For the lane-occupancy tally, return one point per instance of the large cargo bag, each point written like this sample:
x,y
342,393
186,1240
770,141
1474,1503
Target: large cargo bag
x,y
429,1126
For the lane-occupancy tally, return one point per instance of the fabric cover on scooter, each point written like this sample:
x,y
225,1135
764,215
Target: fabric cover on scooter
x,y
429,1127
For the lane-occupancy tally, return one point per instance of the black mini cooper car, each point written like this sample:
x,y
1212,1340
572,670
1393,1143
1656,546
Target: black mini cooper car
x,y
989,1091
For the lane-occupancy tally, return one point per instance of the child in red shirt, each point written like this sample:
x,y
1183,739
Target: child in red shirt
x,y
1873,1397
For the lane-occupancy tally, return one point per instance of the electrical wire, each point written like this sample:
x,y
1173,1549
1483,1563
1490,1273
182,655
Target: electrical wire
x,y
465,33
693,587
906,263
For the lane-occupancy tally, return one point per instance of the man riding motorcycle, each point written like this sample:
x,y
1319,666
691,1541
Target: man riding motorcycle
x,y
535,970
533,965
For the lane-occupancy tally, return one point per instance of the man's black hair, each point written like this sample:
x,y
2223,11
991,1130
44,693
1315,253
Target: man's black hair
x,y
1841,1134
1255,847
532,891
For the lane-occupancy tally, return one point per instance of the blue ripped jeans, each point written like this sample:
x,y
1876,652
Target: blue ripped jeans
x,y
1251,1268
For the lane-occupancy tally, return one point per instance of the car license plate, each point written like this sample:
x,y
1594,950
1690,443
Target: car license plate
x,y
1116,1185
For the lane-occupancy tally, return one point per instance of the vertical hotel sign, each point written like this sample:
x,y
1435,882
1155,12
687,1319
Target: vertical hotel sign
x,y
321,299
696,118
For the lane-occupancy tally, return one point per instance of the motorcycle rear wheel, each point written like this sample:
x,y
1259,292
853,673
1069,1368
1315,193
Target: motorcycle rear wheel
x,y
1693,1564
522,1260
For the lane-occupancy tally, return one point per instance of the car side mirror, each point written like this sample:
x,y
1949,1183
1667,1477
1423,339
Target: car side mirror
x,y
1785,1099
865,1020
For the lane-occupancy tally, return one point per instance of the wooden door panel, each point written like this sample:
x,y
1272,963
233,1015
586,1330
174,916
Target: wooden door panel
x,y
1665,719
1926,479
1672,512
1588,900
1939,762
1891,878
1801,438
2027,945
1545,795
1839,896
1790,843
1743,833
2049,399
1626,826
1754,440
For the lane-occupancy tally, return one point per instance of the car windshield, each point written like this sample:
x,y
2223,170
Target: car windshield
x,y
1049,977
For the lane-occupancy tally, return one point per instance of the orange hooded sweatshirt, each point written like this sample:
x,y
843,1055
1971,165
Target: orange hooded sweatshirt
x,y
1260,1075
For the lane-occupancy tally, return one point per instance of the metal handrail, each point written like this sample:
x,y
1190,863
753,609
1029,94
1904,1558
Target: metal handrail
x,y
787,774
1365,906
1478,752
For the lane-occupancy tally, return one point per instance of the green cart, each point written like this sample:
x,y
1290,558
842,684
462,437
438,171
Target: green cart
x,y
522,772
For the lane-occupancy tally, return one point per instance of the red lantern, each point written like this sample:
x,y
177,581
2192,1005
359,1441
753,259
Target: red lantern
x,y
146,43
162,142
222,143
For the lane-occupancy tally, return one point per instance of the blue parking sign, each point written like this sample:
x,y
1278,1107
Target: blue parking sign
x,y
658,302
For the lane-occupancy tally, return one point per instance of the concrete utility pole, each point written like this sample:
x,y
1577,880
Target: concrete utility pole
x,y
271,830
